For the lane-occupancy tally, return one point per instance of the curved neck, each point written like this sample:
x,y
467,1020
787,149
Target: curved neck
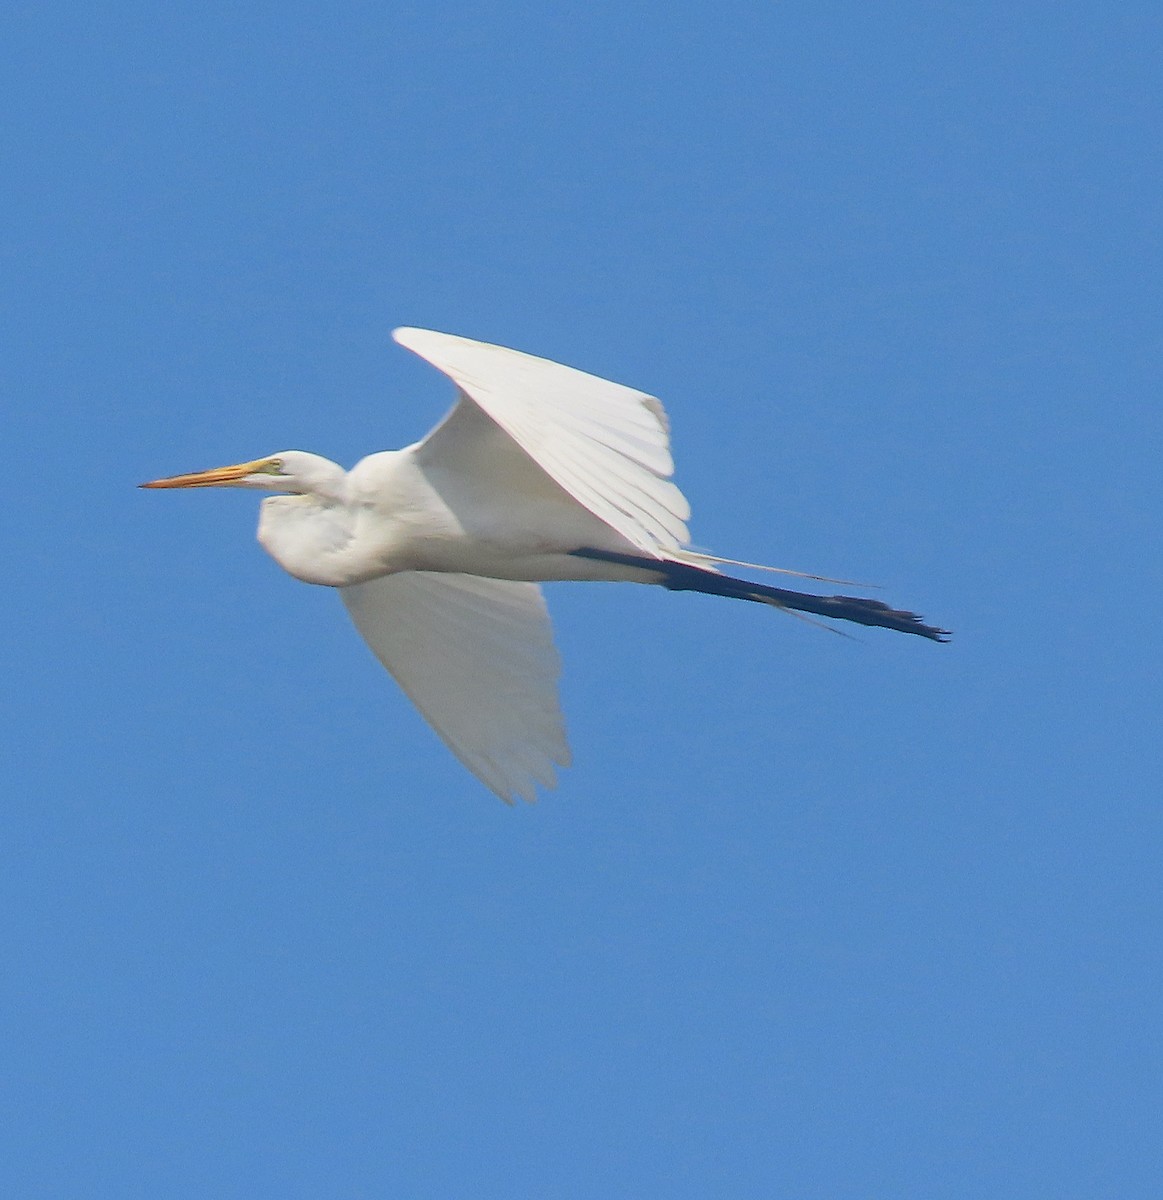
x,y
309,537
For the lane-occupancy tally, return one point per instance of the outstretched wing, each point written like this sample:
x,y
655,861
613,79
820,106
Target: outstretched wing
x,y
607,445
476,657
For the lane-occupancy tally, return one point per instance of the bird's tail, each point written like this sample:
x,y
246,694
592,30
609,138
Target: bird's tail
x,y
691,576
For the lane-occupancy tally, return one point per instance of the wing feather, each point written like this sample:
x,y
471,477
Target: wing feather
x,y
606,444
476,657
659,517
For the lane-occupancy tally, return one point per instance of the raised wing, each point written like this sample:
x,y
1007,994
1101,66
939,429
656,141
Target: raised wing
x,y
607,445
476,657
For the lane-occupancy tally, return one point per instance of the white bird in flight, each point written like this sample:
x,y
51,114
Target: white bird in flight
x,y
540,472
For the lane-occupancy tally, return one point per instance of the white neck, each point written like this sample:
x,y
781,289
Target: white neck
x,y
311,539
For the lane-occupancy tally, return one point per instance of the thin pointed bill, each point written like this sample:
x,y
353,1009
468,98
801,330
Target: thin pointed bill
x,y
213,478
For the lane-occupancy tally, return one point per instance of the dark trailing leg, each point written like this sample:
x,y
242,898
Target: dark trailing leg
x,y
684,577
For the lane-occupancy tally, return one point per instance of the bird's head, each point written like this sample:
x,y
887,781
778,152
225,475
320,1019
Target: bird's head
x,y
293,471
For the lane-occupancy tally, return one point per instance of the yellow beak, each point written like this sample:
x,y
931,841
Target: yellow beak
x,y
212,478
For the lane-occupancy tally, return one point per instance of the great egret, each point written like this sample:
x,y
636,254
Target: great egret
x,y
539,472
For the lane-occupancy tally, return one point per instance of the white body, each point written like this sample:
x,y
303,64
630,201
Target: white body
x,y
395,512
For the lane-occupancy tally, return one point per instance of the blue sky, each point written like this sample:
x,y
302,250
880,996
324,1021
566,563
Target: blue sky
x,y
809,917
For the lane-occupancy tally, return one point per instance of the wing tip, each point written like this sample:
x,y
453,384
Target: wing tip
x,y
402,334
428,343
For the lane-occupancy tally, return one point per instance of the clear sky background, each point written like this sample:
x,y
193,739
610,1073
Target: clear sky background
x,y
809,917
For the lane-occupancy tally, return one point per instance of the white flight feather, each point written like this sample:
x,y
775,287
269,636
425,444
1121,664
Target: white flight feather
x,y
606,444
476,657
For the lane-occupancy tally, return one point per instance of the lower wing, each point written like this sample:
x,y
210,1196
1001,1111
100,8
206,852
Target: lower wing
x,y
476,657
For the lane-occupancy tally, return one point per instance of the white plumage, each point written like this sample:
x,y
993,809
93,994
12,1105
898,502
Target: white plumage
x,y
539,472
607,445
